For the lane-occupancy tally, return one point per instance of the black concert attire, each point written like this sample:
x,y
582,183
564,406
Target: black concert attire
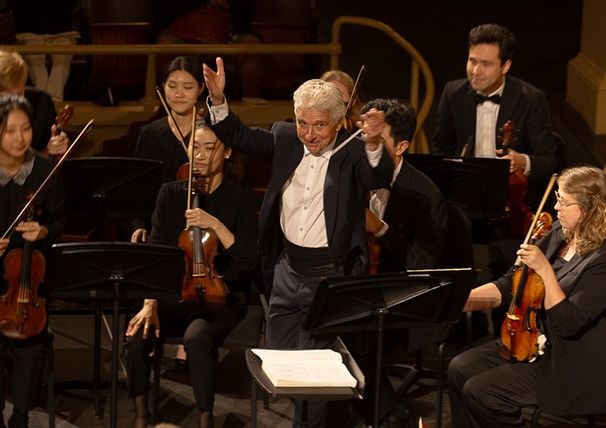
x,y
416,218
202,332
26,355
44,115
568,379
293,272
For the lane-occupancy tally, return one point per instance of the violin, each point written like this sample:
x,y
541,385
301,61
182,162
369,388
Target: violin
x,y
61,121
201,283
22,312
519,332
517,210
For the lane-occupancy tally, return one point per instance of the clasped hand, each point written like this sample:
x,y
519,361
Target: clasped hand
x,y
534,258
58,143
197,217
517,160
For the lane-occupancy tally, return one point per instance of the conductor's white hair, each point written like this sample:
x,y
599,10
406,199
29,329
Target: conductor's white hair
x,y
317,94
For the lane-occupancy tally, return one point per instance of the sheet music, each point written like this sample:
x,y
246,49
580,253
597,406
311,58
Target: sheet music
x,y
305,368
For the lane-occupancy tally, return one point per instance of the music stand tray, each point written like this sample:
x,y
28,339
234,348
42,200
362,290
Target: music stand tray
x,y
253,362
116,270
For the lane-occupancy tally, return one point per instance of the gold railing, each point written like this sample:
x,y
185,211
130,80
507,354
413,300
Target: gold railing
x,y
332,49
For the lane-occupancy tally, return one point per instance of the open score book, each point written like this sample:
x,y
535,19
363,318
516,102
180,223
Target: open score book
x,y
305,368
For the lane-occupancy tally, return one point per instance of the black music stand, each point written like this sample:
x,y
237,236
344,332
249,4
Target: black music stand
x,y
478,185
111,188
116,270
387,301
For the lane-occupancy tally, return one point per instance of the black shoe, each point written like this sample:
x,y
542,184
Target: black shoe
x,y
399,418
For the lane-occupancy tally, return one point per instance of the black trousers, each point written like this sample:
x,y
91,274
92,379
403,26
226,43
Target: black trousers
x,y
292,293
486,390
27,358
202,335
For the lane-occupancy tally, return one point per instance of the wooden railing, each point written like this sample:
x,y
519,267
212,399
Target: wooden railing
x,y
332,49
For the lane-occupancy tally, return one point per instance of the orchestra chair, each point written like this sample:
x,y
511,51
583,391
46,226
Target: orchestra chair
x,y
247,333
48,355
458,253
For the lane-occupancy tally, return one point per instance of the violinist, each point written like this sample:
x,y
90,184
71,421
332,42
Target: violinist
x,y
409,223
228,209
22,171
472,112
346,85
166,139
567,376
13,76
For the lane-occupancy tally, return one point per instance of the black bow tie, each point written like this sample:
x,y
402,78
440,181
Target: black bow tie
x,y
496,98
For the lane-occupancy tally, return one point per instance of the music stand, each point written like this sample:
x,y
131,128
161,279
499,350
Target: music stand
x,y
388,301
117,270
111,188
478,185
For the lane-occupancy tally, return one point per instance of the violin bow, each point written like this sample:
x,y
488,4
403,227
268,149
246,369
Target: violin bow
x,y
46,181
535,218
190,155
354,90
170,114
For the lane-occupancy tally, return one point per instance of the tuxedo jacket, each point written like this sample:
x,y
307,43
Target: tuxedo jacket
x,y
44,116
523,104
349,177
570,377
417,218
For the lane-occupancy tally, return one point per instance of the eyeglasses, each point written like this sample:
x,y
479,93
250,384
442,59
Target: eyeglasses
x,y
562,202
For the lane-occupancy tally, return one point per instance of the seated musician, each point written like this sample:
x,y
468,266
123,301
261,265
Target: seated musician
x,y
13,76
229,211
567,376
166,139
472,111
22,171
346,85
409,221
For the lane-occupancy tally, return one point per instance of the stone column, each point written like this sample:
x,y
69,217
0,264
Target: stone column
x,y
586,77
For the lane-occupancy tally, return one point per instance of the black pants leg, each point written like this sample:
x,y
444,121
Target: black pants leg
x,y
485,390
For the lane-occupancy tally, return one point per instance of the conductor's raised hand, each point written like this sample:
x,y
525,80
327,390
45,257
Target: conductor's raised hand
x,y
215,81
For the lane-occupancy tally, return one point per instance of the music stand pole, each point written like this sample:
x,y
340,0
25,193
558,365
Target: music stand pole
x,y
381,313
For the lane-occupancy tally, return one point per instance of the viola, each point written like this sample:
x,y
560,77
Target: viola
x,y
516,207
201,283
519,332
22,312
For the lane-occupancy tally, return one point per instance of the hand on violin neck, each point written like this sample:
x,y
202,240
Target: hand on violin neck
x,y
32,230
3,245
517,160
197,217
534,258
58,143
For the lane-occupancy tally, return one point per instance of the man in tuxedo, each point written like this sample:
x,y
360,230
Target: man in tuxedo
x,y
311,223
470,122
472,112
409,220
